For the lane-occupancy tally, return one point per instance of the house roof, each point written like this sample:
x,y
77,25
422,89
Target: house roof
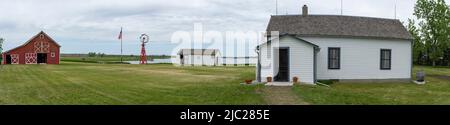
x,y
30,40
198,52
294,36
338,26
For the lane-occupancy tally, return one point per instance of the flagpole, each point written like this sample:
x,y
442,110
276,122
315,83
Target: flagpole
x,y
121,50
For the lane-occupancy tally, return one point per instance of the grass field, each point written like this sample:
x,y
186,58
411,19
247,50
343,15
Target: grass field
x,y
87,83
91,83
436,91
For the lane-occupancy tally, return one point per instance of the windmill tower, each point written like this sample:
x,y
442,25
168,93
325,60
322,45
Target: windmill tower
x,y
144,39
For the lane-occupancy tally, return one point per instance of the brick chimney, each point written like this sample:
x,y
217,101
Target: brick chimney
x,y
305,10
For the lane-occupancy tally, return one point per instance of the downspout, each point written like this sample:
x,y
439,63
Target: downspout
x,y
258,75
412,61
315,64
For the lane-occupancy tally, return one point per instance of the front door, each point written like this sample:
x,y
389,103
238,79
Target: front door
x,y
283,65
42,58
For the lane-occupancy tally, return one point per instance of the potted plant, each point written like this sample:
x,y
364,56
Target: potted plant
x,y
269,79
295,79
248,81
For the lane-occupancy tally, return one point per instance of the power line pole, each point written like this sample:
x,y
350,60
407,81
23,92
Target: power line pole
x,y
395,9
342,7
276,7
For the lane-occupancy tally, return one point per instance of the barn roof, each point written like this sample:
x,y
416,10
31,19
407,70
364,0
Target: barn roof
x,y
198,52
338,26
30,40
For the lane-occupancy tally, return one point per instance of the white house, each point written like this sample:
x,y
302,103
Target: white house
x,y
332,47
199,57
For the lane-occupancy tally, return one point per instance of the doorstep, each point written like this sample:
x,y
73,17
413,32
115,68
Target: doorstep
x,y
280,84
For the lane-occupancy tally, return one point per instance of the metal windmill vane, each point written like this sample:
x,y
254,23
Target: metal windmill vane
x,y
144,39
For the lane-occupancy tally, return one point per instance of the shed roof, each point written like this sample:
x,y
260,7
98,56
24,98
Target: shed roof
x,y
198,52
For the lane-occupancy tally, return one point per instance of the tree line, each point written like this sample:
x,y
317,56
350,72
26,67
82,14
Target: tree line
x,y
431,33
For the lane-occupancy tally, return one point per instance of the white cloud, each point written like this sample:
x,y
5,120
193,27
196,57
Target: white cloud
x,y
93,25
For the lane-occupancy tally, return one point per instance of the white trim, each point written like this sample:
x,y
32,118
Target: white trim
x,y
30,58
15,57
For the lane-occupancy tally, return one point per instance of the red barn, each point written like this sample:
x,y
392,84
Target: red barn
x,y
40,49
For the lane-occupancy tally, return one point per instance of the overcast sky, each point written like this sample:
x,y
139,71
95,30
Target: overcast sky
x,y
82,26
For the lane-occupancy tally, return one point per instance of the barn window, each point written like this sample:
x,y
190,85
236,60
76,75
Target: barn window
x,y
385,59
52,54
334,58
41,36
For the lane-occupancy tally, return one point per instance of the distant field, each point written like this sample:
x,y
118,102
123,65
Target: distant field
x,y
106,59
92,83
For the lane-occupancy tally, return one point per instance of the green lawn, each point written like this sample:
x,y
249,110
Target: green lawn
x,y
436,91
87,83
91,83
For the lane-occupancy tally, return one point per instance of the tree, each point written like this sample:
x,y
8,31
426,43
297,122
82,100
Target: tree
x,y
418,51
102,55
1,49
92,54
434,31
1,45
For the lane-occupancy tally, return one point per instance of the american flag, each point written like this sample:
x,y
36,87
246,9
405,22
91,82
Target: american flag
x,y
120,34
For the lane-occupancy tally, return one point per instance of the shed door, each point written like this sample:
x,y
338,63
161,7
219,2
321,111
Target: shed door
x,y
283,66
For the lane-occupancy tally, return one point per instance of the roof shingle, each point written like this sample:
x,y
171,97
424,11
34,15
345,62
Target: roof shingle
x,y
338,26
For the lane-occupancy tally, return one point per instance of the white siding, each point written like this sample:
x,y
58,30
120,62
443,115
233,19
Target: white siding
x,y
360,58
240,60
266,63
199,60
301,58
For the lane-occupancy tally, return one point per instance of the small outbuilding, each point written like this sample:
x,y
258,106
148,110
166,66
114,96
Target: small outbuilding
x,y
40,49
202,57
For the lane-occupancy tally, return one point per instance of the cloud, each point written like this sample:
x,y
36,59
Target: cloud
x,y
81,26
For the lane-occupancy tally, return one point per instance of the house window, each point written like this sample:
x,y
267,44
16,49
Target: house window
x,y
385,59
334,58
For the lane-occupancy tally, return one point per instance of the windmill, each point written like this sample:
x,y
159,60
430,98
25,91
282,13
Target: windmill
x,y
144,39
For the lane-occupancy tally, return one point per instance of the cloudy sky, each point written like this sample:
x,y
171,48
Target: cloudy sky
x,y
82,26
